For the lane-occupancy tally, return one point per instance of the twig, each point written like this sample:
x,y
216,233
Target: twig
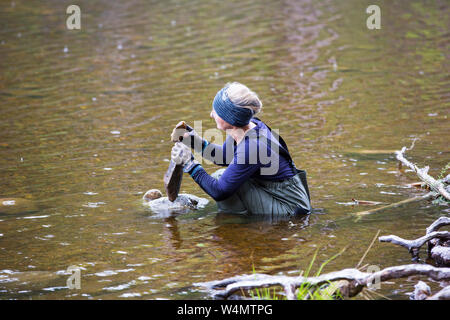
x,y
379,294
396,204
366,296
363,267
370,246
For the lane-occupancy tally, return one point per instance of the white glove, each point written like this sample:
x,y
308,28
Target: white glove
x,y
180,154
178,132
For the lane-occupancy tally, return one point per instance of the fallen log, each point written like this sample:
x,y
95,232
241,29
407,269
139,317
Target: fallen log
x,y
356,279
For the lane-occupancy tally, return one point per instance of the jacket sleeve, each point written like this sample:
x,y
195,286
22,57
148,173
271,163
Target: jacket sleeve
x,y
219,155
233,177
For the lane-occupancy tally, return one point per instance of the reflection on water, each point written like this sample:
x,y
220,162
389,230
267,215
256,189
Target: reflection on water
x,y
87,117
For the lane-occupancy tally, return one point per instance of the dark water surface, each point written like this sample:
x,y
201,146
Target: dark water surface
x,y
86,119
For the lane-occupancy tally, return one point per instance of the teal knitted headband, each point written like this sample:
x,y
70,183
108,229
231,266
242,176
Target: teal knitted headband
x,y
233,114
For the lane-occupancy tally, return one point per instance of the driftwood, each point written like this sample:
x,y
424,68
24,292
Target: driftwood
x,y
356,280
438,249
414,246
442,221
351,282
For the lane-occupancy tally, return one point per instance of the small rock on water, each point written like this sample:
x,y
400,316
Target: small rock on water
x,y
152,194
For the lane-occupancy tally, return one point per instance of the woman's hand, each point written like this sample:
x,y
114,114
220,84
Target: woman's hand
x,y
187,135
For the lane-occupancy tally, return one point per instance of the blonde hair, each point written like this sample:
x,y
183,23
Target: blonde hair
x,y
243,97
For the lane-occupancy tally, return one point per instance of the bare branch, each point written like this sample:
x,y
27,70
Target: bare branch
x,y
442,221
414,245
367,251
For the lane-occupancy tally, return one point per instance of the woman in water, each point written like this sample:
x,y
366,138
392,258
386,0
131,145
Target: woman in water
x,y
260,176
